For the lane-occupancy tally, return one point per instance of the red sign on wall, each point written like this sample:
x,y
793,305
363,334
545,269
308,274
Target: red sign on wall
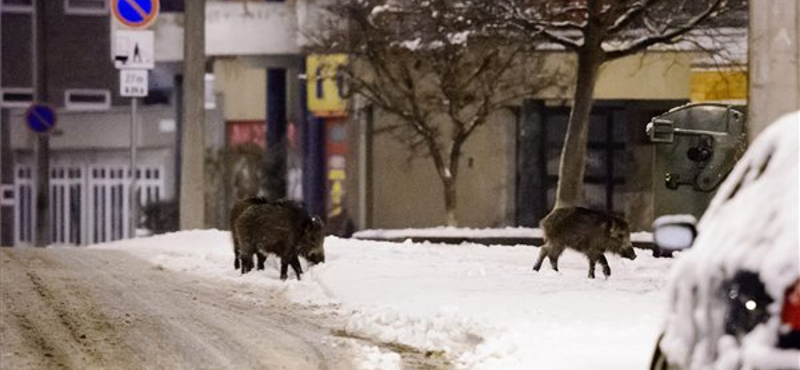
x,y
247,132
255,132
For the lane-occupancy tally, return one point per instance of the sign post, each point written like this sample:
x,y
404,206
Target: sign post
x,y
133,56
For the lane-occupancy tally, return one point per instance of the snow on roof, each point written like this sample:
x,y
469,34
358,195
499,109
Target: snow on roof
x,y
751,224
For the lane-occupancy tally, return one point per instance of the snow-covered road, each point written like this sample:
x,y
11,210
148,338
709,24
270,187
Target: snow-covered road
x,y
76,308
476,307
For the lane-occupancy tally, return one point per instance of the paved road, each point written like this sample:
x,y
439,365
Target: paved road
x,y
77,308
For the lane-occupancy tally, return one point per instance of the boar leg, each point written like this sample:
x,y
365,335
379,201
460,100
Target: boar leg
x,y
606,269
235,250
284,268
592,263
554,253
543,251
246,262
296,267
261,258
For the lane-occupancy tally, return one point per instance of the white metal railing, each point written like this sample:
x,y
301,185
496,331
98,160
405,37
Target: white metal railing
x,y
67,199
88,203
24,210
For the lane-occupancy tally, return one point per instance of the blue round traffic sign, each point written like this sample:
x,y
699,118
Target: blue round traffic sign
x,y
40,118
135,13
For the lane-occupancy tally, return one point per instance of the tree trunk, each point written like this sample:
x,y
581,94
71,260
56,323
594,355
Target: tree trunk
x,y
449,179
448,173
450,200
573,154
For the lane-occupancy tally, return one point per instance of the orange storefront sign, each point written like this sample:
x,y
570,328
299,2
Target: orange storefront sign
x,y
723,86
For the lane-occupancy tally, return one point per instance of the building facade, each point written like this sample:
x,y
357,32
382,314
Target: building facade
x,y
509,168
89,161
90,146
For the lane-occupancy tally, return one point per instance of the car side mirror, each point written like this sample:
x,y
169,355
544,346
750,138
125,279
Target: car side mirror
x,y
674,232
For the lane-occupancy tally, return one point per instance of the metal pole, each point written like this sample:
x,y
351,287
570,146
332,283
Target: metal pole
x,y
276,133
39,66
6,178
134,202
192,195
365,119
773,76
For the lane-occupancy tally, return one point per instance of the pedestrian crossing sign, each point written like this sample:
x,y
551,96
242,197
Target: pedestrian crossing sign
x,y
134,50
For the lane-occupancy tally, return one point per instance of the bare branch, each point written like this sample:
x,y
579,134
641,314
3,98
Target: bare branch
x,y
537,28
666,37
634,12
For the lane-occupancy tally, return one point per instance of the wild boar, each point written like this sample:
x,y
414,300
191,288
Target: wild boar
x,y
282,228
237,211
587,231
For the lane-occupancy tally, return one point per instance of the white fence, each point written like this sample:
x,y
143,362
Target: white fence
x,y
88,204
24,210
66,205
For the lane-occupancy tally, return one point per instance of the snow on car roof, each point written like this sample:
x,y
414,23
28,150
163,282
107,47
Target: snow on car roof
x,y
751,224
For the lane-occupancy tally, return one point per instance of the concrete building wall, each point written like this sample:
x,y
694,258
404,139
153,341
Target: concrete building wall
x,y
408,193
241,28
104,138
244,89
15,50
100,130
652,76
251,28
77,52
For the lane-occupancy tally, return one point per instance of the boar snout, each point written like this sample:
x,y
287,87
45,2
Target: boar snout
x,y
315,258
629,253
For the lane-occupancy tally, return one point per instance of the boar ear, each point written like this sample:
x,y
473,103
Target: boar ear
x,y
608,226
613,227
316,223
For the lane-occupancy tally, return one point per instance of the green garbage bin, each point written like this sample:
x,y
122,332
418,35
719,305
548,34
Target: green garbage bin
x,y
696,146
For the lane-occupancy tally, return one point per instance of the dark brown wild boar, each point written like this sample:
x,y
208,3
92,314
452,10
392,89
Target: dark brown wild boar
x,y
587,231
282,228
236,211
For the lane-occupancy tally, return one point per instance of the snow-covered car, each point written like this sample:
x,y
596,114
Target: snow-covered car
x,y
734,297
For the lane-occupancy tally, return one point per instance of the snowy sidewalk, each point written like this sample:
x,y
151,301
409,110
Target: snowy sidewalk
x,y
509,236
482,307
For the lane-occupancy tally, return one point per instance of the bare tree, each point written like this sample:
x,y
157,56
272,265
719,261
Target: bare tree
x,y
434,71
599,31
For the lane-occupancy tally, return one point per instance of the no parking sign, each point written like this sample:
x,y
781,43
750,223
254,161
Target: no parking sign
x,y
40,118
135,13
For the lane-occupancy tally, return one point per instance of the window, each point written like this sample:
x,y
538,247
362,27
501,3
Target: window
x,y
16,6
87,99
16,97
85,7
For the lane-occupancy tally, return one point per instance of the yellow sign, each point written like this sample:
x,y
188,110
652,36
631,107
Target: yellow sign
x,y
324,84
718,86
